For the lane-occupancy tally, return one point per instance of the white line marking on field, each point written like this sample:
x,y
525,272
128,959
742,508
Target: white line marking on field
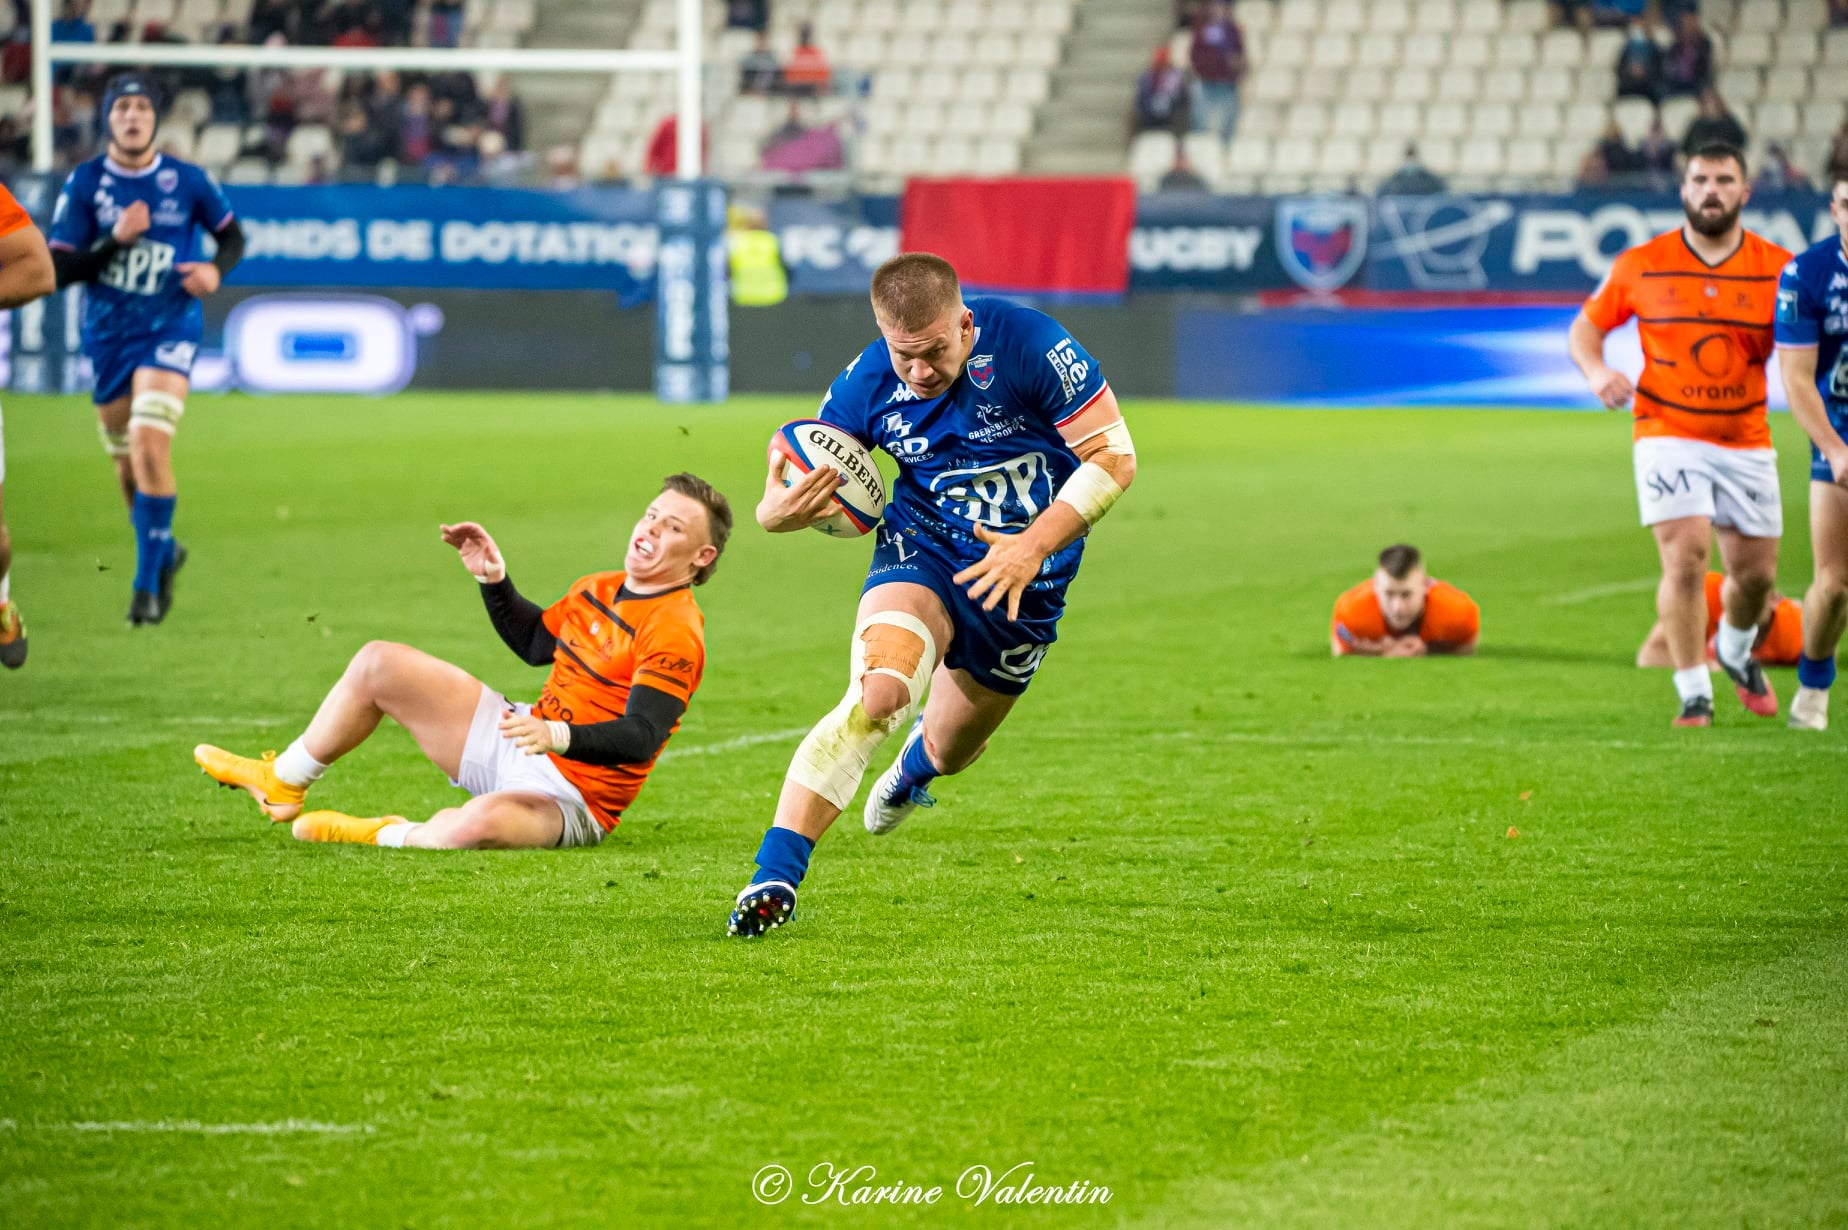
x,y
192,1127
117,719
732,745
1241,736
1573,597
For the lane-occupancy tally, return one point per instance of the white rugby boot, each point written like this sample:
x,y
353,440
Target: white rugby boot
x,y
1809,709
889,802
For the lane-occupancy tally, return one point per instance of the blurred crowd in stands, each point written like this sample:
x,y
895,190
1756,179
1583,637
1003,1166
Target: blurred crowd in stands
x,y
318,124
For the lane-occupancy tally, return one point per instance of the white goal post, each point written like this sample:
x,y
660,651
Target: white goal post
x,y
683,60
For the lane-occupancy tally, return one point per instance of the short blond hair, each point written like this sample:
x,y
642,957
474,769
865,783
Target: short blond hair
x,y
718,515
914,289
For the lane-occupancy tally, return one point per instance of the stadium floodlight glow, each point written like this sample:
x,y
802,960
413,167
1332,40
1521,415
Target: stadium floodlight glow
x,y
683,60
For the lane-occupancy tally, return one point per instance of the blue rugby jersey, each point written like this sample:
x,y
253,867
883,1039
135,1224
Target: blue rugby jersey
x,y
1812,310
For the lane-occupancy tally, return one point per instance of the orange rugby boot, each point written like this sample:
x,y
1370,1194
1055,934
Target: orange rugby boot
x,y
338,826
12,637
279,800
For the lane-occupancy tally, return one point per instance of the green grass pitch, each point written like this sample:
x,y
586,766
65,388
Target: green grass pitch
x,y
1239,932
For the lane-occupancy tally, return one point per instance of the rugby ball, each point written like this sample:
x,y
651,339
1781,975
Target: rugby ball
x,y
860,501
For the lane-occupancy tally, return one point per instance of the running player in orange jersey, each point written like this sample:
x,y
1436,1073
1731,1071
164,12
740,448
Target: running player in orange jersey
x,y
626,648
1704,297
1400,612
25,274
1779,635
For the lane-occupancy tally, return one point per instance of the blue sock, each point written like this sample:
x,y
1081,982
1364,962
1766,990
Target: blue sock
x,y
783,856
1815,672
152,516
915,771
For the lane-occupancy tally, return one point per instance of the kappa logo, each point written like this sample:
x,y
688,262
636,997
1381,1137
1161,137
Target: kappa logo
x,y
901,393
981,370
167,179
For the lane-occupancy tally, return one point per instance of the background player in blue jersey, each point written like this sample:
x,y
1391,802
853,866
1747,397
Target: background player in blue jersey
x,y
1010,447
1812,351
127,223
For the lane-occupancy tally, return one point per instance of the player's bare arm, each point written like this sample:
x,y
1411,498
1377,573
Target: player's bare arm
x,y
1798,364
1101,440
1586,342
26,271
799,506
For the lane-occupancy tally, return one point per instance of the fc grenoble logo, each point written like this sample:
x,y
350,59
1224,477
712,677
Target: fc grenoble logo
x,y
1322,241
982,370
166,179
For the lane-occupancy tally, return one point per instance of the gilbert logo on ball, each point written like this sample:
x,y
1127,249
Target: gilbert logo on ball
x,y
860,501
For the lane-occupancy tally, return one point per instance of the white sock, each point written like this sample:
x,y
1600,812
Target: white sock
x,y
6,588
1692,682
297,768
393,835
1734,645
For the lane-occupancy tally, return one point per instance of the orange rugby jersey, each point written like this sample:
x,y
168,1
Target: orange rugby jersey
x,y
13,215
609,640
1451,617
1779,642
1706,332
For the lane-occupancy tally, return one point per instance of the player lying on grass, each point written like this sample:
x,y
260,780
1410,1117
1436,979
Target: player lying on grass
x,y
25,274
626,649
1403,613
1703,298
1780,632
1812,351
1010,448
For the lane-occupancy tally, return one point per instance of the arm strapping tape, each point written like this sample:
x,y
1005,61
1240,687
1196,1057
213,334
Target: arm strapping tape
x,y
1093,490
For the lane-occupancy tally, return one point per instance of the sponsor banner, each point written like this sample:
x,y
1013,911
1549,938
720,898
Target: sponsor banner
x,y
1545,244
475,238
1481,356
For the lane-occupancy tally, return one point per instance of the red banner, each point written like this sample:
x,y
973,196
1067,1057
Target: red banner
x,y
1025,235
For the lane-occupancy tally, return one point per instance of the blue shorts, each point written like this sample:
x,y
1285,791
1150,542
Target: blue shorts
x,y
115,364
1001,656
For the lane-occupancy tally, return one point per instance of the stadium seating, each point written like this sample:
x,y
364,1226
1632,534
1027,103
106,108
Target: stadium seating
x,y
1492,94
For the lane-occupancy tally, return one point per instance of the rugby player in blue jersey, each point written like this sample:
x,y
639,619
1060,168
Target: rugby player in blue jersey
x,y
1010,447
1812,352
127,224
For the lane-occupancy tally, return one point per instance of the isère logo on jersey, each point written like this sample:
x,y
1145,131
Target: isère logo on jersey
x,y
139,270
1007,495
1072,371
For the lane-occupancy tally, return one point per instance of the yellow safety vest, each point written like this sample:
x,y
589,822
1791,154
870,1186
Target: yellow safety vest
x,y
757,276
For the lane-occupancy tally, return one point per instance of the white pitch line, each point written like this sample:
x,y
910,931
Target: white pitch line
x,y
1573,597
116,719
732,745
193,1127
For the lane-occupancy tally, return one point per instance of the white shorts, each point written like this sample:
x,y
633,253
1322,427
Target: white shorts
x,y
491,762
1735,487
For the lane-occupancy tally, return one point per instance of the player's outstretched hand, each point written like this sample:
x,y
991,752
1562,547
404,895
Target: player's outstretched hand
x,y
796,508
1613,389
1004,573
479,554
131,224
527,732
198,278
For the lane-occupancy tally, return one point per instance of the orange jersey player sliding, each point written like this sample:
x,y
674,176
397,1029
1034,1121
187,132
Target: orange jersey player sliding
x,y
25,274
1704,297
626,649
1400,612
1780,631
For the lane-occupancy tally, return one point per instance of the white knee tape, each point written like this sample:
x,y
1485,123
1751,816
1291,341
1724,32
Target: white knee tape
x,y
115,443
833,757
161,411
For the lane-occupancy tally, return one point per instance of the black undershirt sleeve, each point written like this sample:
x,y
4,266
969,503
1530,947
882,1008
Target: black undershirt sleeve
x,y
634,738
520,622
73,266
230,239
